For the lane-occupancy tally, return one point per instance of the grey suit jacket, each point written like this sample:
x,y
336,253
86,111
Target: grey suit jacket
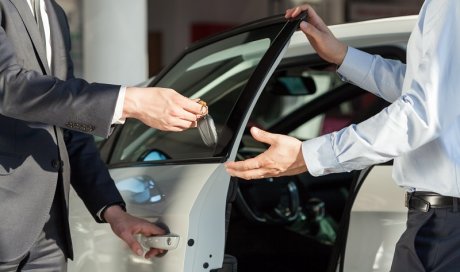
x,y
36,102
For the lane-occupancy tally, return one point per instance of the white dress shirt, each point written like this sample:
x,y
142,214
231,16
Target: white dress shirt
x,y
421,128
46,27
117,117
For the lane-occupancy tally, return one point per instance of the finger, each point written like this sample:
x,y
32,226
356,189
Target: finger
x,y
263,136
310,31
193,124
150,229
172,129
289,12
246,165
191,105
185,115
204,107
153,252
179,125
133,244
299,9
315,20
249,174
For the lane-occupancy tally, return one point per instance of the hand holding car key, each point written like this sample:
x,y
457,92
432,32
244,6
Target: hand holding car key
x,y
206,126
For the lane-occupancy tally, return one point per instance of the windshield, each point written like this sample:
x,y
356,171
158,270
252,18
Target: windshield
x,y
217,74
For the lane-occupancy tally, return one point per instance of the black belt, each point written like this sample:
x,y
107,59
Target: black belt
x,y
424,201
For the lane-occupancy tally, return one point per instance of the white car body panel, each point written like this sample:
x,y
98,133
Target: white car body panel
x,y
378,218
186,194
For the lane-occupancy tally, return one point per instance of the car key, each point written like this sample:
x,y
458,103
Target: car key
x,y
207,130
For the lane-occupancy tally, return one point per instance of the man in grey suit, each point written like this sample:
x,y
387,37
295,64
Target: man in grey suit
x,y
46,118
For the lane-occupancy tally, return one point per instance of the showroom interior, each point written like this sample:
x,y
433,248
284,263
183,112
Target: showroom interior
x,y
126,41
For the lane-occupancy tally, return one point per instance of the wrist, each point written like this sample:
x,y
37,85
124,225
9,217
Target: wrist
x,y
112,211
343,49
129,103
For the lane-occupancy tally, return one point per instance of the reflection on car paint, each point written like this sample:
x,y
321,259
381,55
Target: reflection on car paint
x,y
141,189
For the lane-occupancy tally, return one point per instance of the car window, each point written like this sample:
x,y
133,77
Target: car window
x,y
274,107
217,74
347,112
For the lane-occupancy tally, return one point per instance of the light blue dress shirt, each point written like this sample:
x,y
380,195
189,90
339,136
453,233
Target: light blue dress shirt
x,y
420,130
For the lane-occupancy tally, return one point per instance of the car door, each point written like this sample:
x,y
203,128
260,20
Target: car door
x,y
177,179
376,221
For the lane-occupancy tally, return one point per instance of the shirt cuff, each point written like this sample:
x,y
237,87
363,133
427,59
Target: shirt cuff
x,y
319,156
355,66
117,115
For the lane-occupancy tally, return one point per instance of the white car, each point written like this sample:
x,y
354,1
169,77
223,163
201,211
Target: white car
x,y
261,74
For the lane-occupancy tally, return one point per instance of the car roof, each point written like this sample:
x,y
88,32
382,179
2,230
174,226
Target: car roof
x,y
389,31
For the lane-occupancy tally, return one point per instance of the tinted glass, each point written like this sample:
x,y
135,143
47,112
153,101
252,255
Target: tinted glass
x,y
217,74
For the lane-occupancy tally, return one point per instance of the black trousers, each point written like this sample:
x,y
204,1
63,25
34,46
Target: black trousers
x,y
431,242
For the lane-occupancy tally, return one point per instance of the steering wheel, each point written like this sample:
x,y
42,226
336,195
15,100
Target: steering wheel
x,y
268,200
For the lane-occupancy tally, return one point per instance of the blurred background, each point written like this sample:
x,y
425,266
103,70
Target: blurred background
x,y
127,41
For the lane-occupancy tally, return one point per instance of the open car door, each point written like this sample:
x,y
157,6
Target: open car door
x,y
376,221
178,180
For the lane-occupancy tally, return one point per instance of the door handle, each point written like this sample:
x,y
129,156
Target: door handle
x,y
166,242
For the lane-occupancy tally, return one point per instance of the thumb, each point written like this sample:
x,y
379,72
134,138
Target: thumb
x,y
263,136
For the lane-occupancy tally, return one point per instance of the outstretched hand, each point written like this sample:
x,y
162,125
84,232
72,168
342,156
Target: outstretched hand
x,y
126,226
162,108
321,38
282,158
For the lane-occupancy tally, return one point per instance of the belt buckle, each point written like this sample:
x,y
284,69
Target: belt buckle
x,y
425,207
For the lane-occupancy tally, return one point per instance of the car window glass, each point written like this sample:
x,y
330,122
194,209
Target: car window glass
x,y
273,107
217,74
347,112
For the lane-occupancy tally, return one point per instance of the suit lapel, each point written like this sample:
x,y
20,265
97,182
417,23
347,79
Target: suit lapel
x,y
32,29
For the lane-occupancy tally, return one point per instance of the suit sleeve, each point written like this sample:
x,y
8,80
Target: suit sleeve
x,y
74,103
89,175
